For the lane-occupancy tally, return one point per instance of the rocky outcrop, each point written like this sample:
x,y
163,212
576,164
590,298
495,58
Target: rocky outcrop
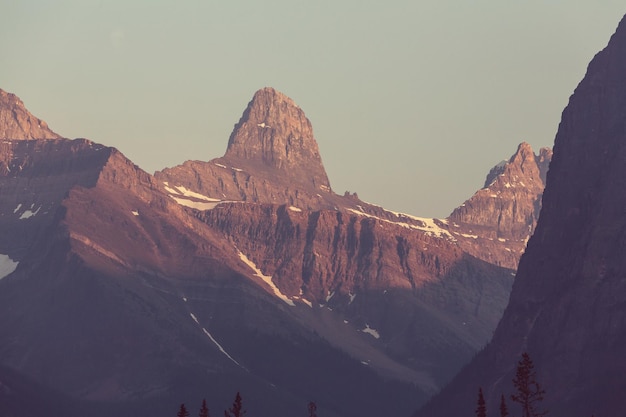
x,y
272,157
274,132
566,307
35,177
360,266
17,123
501,217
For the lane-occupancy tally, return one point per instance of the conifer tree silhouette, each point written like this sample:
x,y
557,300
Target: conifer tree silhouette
x,y
204,410
529,392
237,409
504,411
182,411
481,408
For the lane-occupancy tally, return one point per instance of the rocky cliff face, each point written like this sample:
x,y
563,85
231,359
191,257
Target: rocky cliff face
x,y
274,132
502,216
35,177
341,253
566,308
17,123
272,157
360,266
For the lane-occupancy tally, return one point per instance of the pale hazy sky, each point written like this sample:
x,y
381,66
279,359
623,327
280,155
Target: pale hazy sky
x,y
412,102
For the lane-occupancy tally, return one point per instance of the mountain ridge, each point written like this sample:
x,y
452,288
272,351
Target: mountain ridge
x,y
209,272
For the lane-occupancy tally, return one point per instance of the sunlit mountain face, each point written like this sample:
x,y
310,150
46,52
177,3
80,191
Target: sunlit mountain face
x,y
123,292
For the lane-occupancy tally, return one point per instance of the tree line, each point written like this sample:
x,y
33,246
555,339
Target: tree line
x,y
528,392
236,410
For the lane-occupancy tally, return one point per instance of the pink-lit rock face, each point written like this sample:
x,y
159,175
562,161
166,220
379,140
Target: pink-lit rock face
x,y
123,286
17,123
502,216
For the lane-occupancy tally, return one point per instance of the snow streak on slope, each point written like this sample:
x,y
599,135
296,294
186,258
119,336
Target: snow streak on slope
x,y
206,332
266,278
220,346
198,205
430,227
188,198
7,265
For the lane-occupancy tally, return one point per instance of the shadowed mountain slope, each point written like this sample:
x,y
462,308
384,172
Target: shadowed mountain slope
x,y
567,304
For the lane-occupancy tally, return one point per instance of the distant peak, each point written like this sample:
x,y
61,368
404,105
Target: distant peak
x,y
274,131
272,95
524,161
524,150
18,123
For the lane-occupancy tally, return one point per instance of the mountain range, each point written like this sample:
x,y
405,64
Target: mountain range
x,y
124,293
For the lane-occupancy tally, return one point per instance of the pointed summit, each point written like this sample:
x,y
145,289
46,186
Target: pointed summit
x,y
272,157
525,161
17,123
506,209
274,131
510,201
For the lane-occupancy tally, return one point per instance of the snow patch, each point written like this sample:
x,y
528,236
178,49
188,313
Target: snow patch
x,y
266,278
469,236
220,165
194,318
188,193
7,265
296,209
19,206
169,189
429,226
186,197
307,302
352,297
135,213
371,331
198,205
29,212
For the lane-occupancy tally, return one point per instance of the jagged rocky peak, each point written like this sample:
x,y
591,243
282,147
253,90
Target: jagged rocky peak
x,y
525,162
18,123
510,202
272,157
275,131
543,161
